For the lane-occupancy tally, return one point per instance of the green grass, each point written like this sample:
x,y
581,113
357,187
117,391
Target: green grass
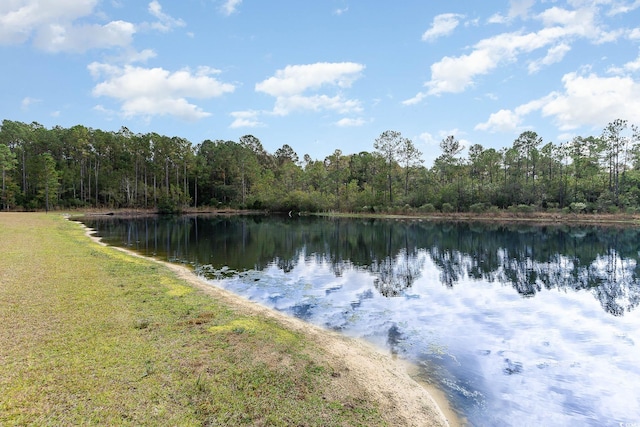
x,y
92,336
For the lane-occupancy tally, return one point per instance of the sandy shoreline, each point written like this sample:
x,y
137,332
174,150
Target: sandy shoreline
x,y
403,400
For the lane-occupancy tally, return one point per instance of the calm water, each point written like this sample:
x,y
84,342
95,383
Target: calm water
x,y
520,325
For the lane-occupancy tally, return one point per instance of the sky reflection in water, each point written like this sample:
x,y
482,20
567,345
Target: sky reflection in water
x,y
514,331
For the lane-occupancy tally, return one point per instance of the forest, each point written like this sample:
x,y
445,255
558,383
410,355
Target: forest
x,y
81,167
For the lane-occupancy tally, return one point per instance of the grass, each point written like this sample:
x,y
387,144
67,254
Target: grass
x,y
92,336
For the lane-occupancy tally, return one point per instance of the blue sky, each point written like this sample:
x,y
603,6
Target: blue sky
x,y
326,74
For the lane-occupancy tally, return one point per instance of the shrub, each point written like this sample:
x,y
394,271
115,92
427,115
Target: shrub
x,y
613,209
168,206
447,208
577,207
427,208
522,208
477,208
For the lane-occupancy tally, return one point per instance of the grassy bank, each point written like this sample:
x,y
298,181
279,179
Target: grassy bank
x,y
91,335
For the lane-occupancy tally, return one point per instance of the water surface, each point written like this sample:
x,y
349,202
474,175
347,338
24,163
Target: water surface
x,y
519,325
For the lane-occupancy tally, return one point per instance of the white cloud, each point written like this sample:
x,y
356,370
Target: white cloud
x,y
593,101
165,22
428,139
230,6
517,9
456,74
582,22
629,67
295,79
105,112
520,8
416,99
566,136
58,38
501,121
472,22
442,25
243,119
349,122
287,104
52,26
289,85
498,19
27,102
65,25
561,27
19,19
299,88
131,56
151,92
429,145
623,7
554,54
587,101
510,121
341,11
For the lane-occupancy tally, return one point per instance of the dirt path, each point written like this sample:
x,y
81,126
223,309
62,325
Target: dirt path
x,y
402,400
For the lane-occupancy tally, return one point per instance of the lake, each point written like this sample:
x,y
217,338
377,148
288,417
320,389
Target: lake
x,y
520,325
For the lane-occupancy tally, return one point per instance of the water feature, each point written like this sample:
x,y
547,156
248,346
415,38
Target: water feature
x,y
518,324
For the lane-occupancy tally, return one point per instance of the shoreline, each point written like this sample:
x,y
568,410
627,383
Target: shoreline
x,y
392,382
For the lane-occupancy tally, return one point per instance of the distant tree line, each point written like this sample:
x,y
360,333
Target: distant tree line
x,y
80,167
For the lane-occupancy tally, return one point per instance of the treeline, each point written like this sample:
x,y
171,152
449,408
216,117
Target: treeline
x,y
81,167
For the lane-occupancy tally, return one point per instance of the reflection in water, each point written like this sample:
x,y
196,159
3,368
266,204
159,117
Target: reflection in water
x,y
521,325
601,260
396,275
394,339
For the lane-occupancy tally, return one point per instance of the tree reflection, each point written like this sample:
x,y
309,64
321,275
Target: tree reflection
x,y
395,275
394,339
600,260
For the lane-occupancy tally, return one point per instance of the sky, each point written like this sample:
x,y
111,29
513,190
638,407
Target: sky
x,y
322,75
